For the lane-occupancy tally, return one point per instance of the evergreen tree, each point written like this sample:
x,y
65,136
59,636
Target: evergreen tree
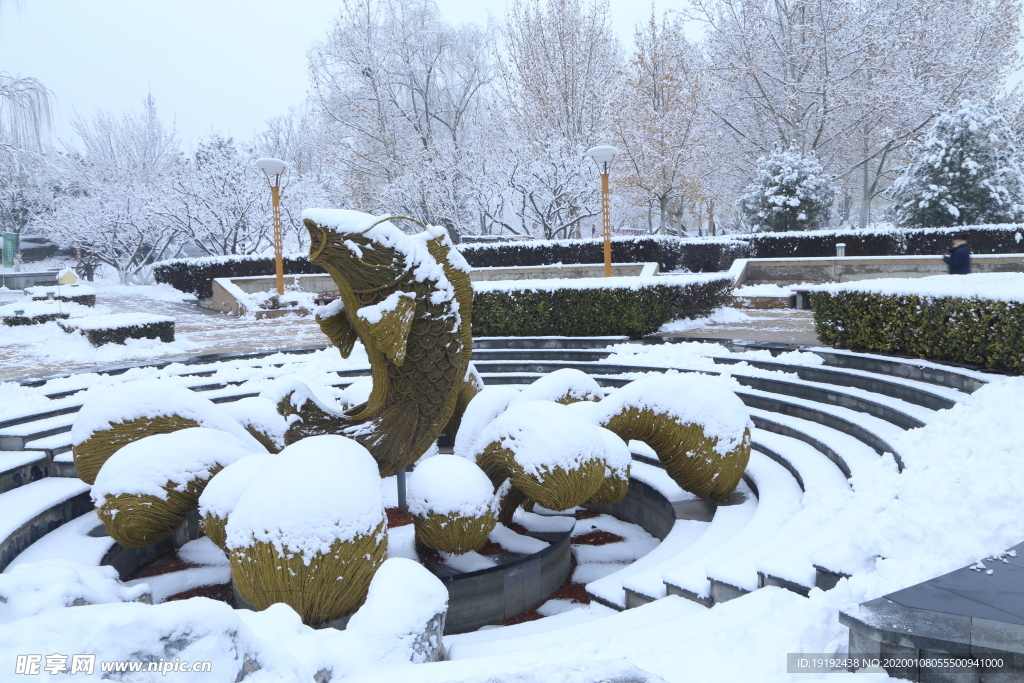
x,y
790,193
966,172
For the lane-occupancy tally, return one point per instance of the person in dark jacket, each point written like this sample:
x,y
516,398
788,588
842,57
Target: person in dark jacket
x,y
959,256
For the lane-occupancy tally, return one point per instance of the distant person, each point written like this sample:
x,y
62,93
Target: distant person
x,y
958,258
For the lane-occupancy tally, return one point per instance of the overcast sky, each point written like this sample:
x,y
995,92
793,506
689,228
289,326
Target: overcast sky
x,y
224,65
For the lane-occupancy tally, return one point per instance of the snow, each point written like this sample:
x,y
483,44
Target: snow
x,y
402,599
468,562
60,290
569,382
163,586
202,551
402,542
34,309
373,314
617,455
720,316
317,491
516,543
543,435
769,289
632,283
302,390
356,393
995,286
174,460
688,399
132,400
225,488
259,414
117,320
481,411
35,587
71,541
447,484
19,506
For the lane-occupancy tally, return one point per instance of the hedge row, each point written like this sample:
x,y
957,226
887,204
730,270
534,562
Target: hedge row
x,y
980,331
196,275
577,312
162,330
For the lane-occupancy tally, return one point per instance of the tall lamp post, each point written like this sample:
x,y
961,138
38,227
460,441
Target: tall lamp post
x,y
274,169
603,155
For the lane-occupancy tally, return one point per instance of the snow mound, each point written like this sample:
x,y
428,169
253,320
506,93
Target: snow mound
x,y
402,618
481,411
543,435
34,587
203,552
146,466
317,491
302,390
689,399
222,493
447,484
356,393
152,398
996,286
560,384
259,414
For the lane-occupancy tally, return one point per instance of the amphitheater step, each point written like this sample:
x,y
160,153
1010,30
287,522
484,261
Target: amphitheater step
x,y
29,512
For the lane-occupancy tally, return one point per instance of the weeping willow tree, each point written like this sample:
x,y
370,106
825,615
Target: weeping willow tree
x,y
25,108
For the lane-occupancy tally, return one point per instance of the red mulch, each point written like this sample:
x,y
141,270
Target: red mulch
x,y
221,592
567,591
597,537
396,518
587,514
166,563
491,548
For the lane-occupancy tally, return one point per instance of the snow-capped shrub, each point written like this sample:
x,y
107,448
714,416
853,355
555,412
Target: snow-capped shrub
x,y
955,325
967,171
790,192
452,503
625,308
567,385
260,418
617,459
482,409
221,495
310,530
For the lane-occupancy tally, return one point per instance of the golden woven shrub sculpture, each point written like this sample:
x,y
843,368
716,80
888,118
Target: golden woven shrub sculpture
x,y
617,460
550,455
146,490
452,504
471,386
564,386
125,413
222,492
311,532
321,587
90,455
408,298
654,410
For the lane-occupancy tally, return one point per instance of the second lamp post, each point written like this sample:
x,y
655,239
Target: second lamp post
x,y
603,155
274,168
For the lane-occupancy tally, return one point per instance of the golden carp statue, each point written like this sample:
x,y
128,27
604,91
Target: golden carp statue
x,y
408,298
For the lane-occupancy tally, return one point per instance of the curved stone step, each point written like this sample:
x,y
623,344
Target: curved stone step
x,y
18,468
29,512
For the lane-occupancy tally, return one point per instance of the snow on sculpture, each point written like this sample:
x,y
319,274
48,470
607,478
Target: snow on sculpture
x,y
699,429
260,418
144,492
452,503
617,459
134,410
408,299
566,386
542,452
310,530
222,493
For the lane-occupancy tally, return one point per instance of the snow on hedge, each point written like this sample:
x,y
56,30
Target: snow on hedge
x,y
633,283
481,411
446,484
60,290
317,491
689,399
34,309
34,587
543,435
153,398
115,321
996,286
178,457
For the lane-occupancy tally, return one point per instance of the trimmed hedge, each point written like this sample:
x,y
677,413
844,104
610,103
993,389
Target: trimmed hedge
x,y
16,320
162,330
591,312
196,275
84,299
980,331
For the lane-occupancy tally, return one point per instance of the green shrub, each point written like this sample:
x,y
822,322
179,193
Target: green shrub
x,y
592,312
981,331
118,334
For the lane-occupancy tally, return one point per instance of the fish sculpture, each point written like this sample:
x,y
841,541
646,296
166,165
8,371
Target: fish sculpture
x,y
408,298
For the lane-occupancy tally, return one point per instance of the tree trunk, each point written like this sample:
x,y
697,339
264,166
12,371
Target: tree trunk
x,y
865,201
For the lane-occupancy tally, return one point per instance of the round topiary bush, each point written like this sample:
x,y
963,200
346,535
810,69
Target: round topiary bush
x,y
310,530
145,491
222,493
564,386
452,503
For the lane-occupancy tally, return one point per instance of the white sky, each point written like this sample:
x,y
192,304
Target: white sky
x,y
223,65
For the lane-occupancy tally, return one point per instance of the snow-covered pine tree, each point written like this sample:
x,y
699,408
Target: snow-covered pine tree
x,y
966,172
789,193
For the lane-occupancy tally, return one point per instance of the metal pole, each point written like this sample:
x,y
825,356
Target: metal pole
x,y
607,218
275,196
402,506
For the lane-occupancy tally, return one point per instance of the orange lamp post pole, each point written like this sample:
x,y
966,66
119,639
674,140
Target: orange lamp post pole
x,y
273,169
603,155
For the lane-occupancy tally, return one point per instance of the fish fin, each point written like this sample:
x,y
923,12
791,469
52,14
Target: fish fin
x,y
390,331
340,331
